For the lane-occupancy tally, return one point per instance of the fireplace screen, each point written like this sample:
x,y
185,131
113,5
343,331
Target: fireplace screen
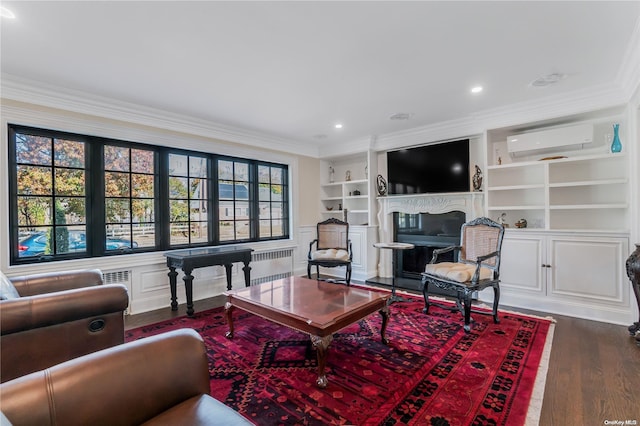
x,y
427,232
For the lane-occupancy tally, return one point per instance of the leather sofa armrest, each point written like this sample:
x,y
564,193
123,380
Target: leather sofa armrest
x,y
26,313
126,384
29,285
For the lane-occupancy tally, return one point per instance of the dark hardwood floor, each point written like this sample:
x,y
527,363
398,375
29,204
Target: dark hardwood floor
x,y
593,376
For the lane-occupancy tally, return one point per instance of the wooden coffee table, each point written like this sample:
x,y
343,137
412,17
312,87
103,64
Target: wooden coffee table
x,y
315,307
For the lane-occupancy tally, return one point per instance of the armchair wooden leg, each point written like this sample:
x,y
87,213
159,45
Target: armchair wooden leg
x,y
467,312
348,274
309,271
425,293
496,299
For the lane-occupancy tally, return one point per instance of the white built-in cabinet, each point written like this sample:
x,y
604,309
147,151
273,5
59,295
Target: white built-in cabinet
x,y
347,191
579,275
570,258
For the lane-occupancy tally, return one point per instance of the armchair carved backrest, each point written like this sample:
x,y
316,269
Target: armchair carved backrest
x,y
482,239
331,248
333,234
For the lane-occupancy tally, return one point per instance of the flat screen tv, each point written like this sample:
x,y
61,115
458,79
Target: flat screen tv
x,y
437,168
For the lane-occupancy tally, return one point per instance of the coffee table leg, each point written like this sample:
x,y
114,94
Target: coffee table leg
x,y
228,309
385,319
322,346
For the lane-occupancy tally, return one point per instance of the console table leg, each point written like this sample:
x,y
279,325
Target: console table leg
x,y
322,346
247,274
227,268
228,309
383,328
172,285
188,287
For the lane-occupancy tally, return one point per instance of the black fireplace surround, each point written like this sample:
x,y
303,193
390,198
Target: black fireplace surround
x,y
427,232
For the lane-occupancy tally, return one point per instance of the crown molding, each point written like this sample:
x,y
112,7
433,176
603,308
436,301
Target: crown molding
x,y
34,92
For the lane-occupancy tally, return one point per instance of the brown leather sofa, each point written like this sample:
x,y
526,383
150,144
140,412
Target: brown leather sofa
x,y
46,319
158,380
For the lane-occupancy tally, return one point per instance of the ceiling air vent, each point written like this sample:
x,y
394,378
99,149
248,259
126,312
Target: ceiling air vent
x,y
548,80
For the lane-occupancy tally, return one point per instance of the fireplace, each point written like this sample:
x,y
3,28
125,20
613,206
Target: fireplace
x,y
427,232
415,210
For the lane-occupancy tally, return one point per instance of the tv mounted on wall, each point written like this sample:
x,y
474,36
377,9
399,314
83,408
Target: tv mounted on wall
x,y
437,168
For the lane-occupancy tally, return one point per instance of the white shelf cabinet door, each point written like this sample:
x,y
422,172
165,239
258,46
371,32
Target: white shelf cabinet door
x,y
588,270
521,266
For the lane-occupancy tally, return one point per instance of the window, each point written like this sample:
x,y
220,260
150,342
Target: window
x,y
272,191
129,188
50,210
83,196
188,195
233,200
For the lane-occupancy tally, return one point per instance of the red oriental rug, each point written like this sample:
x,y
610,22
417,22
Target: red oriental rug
x,y
431,373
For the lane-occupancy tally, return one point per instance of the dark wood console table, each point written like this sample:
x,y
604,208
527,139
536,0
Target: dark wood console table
x,y
189,259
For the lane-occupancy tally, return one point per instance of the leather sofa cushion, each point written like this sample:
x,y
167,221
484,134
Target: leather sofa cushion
x,y
199,410
330,254
7,289
460,272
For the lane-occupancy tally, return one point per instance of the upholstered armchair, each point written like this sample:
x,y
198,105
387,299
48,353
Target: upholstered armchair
x,y
157,380
46,319
477,268
331,248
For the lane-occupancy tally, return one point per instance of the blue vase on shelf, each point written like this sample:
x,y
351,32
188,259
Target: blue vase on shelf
x,y
616,145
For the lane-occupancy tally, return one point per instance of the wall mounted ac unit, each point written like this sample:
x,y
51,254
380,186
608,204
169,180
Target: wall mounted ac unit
x,y
549,140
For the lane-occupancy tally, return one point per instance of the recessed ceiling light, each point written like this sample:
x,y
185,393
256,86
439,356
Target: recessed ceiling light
x,y
402,116
338,126
476,89
6,13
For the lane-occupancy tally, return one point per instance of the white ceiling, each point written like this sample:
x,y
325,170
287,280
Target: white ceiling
x,y
291,70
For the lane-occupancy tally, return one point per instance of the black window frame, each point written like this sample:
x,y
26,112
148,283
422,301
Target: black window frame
x,y
95,197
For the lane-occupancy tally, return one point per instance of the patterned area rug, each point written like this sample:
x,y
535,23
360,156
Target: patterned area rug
x,y
431,373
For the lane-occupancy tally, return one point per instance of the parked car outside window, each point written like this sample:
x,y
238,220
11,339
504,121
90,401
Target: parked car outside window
x,y
36,244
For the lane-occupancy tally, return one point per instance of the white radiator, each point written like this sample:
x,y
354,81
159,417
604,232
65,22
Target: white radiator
x,y
271,265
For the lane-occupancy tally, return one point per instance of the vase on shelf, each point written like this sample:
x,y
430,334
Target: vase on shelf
x,y
616,145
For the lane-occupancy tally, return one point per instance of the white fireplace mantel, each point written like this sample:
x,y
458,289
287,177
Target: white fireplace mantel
x,y
470,203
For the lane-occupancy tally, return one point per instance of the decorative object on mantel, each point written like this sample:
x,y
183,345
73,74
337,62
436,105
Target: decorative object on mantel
x,y
356,192
382,186
522,223
477,179
332,174
616,145
330,208
347,176
633,272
